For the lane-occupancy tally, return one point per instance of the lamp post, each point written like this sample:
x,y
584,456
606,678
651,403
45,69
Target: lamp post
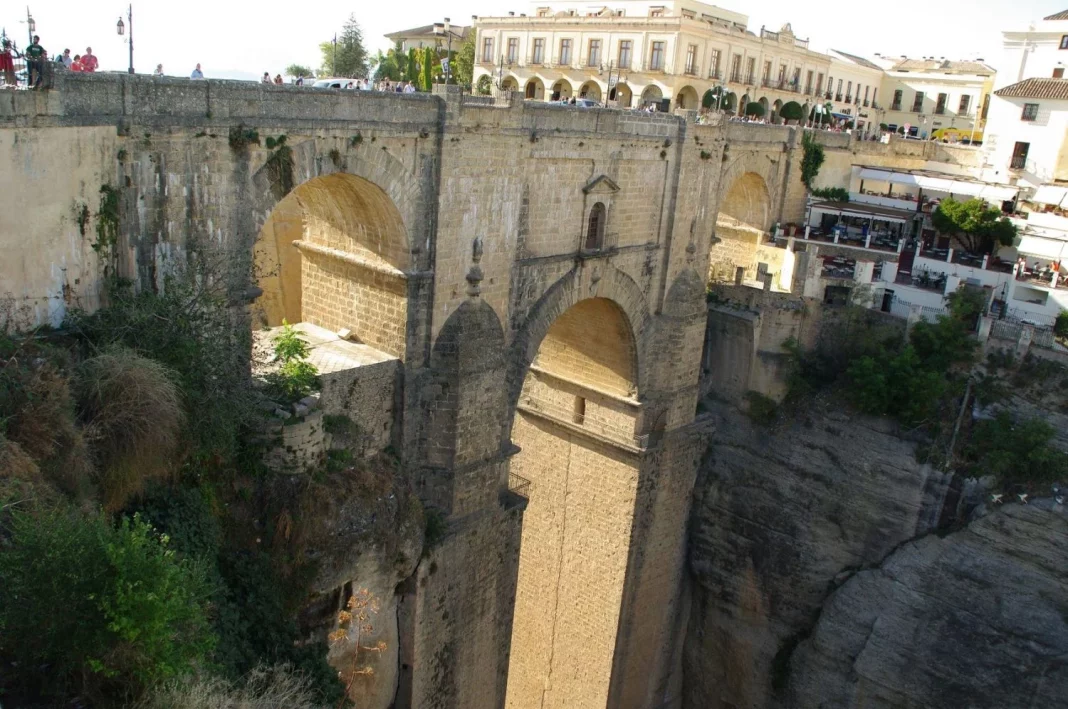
x,y
31,26
121,29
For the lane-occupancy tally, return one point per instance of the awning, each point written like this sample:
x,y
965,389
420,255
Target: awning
x,y
868,211
1041,247
1052,194
942,182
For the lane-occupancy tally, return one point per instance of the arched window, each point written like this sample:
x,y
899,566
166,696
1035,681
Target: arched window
x,y
595,228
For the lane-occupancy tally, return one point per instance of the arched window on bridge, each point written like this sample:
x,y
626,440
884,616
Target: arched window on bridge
x,y
595,227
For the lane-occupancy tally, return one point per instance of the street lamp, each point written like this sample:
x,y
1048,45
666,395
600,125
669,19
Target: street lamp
x,y
31,26
448,51
120,28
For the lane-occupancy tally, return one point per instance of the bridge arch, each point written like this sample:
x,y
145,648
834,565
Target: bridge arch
x,y
574,426
334,252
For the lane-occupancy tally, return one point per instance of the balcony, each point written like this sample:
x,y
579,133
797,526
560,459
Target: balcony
x,y
865,103
690,71
749,79
828,96
917,109
895,107
535,60
940,111
808,90
766,82
1018,162
715,75
736,78
848,99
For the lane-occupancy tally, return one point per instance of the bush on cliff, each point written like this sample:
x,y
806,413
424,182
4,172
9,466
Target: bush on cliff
x,y
97,609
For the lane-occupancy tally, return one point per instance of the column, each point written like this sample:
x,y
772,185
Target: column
x,y
808,230
949,255
986,261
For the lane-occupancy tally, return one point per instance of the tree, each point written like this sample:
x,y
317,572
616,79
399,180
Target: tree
x,y
978,228
812,159
429,59
485,85
350,57
463,64
754,109
709,99
299,70
411,73
792,111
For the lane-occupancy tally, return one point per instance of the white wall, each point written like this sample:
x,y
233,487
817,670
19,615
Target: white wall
x,y
1046,135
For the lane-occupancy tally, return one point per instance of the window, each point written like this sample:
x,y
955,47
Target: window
x,y
782,74
513,50
736,68
595,228
1064,42
713,64
656,12
940,107
866,90
1019,156
797,78
874,95
1030,112
849,91
766,76
830,86
565,52
750,72
965,104
1058,73
689,14
656,57
624,53
808,81
539,50
544,12
898,95
917,103
593,58
579,414
487,50
838,93
691,59
819,83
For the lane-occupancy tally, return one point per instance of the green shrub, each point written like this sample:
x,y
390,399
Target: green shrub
x,y
110,610
792,111
1017,453
754,109
836,194
762,410
296,377
1060,327
811,160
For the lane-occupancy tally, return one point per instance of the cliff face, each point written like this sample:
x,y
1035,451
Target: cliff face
x,y
976,619
783,616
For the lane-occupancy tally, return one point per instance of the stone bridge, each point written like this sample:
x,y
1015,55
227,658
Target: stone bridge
x,y
536,272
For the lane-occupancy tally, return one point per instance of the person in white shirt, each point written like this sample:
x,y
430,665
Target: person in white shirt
x,y
408,88
197,73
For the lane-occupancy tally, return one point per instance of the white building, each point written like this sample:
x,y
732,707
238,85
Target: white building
x,y
935,94
1029,111
855,88
433,36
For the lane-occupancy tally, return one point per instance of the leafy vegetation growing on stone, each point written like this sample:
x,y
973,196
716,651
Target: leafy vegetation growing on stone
x,y
812,159
836,194
296,377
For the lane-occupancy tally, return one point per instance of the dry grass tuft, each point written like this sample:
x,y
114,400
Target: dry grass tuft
x,y
132,413
15,462
46,417
278,687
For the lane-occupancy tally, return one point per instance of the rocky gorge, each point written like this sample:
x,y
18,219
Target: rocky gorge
x,y
828,568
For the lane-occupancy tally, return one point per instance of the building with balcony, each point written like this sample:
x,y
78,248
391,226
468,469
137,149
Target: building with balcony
x,y
934,96
1029,110
854,88
672,53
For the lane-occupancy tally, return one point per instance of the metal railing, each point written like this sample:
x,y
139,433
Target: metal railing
x,y
518,485
1018,162
715,75
895,107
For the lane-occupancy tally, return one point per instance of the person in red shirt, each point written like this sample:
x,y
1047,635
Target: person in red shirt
x,y
77,65
89,62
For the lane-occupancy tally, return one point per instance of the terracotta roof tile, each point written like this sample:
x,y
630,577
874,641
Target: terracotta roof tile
x,y
1059,16
1036,88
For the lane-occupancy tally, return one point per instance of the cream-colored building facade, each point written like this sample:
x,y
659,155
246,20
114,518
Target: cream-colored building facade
x,y
930,94
636,52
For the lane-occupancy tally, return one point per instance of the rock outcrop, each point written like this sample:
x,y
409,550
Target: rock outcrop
x,y
817,580
778,516
976,619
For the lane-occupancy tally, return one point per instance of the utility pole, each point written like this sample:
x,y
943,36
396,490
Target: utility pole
x,y
333,69
129,16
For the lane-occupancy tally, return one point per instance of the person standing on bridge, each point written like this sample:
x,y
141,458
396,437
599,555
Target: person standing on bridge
x,y
35,58
266,78
89,62
197,73
7,63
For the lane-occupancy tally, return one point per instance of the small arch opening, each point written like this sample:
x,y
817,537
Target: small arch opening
x,y
595,227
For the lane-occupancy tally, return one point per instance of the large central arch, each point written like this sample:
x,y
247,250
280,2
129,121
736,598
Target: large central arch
x,y
745,215
575,427
334,253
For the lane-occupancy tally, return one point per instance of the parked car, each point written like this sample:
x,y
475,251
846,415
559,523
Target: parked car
x,y
333,83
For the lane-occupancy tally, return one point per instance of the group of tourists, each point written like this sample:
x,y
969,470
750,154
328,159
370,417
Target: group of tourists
x,y
36,58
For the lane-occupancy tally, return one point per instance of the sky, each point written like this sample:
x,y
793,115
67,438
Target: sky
x,y
242,39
